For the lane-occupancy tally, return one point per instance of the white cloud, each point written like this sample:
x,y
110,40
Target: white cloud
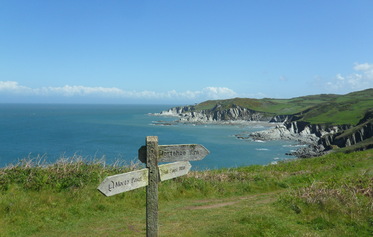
x,y
363,67
12,87
219,92
78,90
362,79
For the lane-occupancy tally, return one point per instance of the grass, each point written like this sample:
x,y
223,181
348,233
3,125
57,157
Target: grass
x,y
324,196
339,113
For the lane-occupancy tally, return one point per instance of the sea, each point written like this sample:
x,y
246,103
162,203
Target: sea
x,y
114,133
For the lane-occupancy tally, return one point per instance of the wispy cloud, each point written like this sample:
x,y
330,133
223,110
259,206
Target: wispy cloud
x,y
218,92
14,88
361,79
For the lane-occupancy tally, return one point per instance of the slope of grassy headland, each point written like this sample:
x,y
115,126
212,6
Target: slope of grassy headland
x,y
333,121
315,109
325,196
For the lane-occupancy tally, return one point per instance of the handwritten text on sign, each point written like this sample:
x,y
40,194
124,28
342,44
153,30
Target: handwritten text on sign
x,y
173,170
171,153
124,182
136,179
185,152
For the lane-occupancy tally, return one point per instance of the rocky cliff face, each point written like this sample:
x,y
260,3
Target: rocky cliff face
x,y
177,111
282,132
281,118
217,114
297,130
319,130
321,137
350,136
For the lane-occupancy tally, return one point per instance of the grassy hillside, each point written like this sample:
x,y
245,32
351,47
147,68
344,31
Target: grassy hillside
x,y
316,109
347,109
324,196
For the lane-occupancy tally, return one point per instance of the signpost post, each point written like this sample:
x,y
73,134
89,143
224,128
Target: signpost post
x,y
152,188
151,154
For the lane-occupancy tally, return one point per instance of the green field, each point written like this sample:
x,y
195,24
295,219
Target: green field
x,y
324,196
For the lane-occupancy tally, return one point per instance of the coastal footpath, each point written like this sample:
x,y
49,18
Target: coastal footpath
x,y
323,122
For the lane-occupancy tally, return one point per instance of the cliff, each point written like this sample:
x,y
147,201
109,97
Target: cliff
x,y
322,138
351,136
189,114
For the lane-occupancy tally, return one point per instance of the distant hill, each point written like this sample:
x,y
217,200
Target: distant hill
x,y
315,109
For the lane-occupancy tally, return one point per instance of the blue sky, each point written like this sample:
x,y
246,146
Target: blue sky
x,y
182,52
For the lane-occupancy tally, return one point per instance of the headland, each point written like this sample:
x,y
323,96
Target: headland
x,y
323,122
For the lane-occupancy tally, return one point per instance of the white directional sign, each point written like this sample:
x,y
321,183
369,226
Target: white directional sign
x,y
173,170
124,182
184,152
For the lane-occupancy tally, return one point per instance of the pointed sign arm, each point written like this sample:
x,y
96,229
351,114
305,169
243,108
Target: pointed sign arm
x,y
182,152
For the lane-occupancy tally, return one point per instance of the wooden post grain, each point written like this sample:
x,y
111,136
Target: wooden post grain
x,y
152,154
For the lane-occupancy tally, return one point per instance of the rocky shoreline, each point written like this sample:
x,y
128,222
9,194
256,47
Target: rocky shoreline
x,y
274,128
280,132
318,138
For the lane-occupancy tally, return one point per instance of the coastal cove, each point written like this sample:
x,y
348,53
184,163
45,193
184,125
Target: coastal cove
x,y
116,132
322,122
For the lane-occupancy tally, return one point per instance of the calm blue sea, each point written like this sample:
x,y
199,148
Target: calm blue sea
x,y
118,131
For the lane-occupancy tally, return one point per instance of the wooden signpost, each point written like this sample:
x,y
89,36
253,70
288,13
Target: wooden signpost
x,y
151,154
